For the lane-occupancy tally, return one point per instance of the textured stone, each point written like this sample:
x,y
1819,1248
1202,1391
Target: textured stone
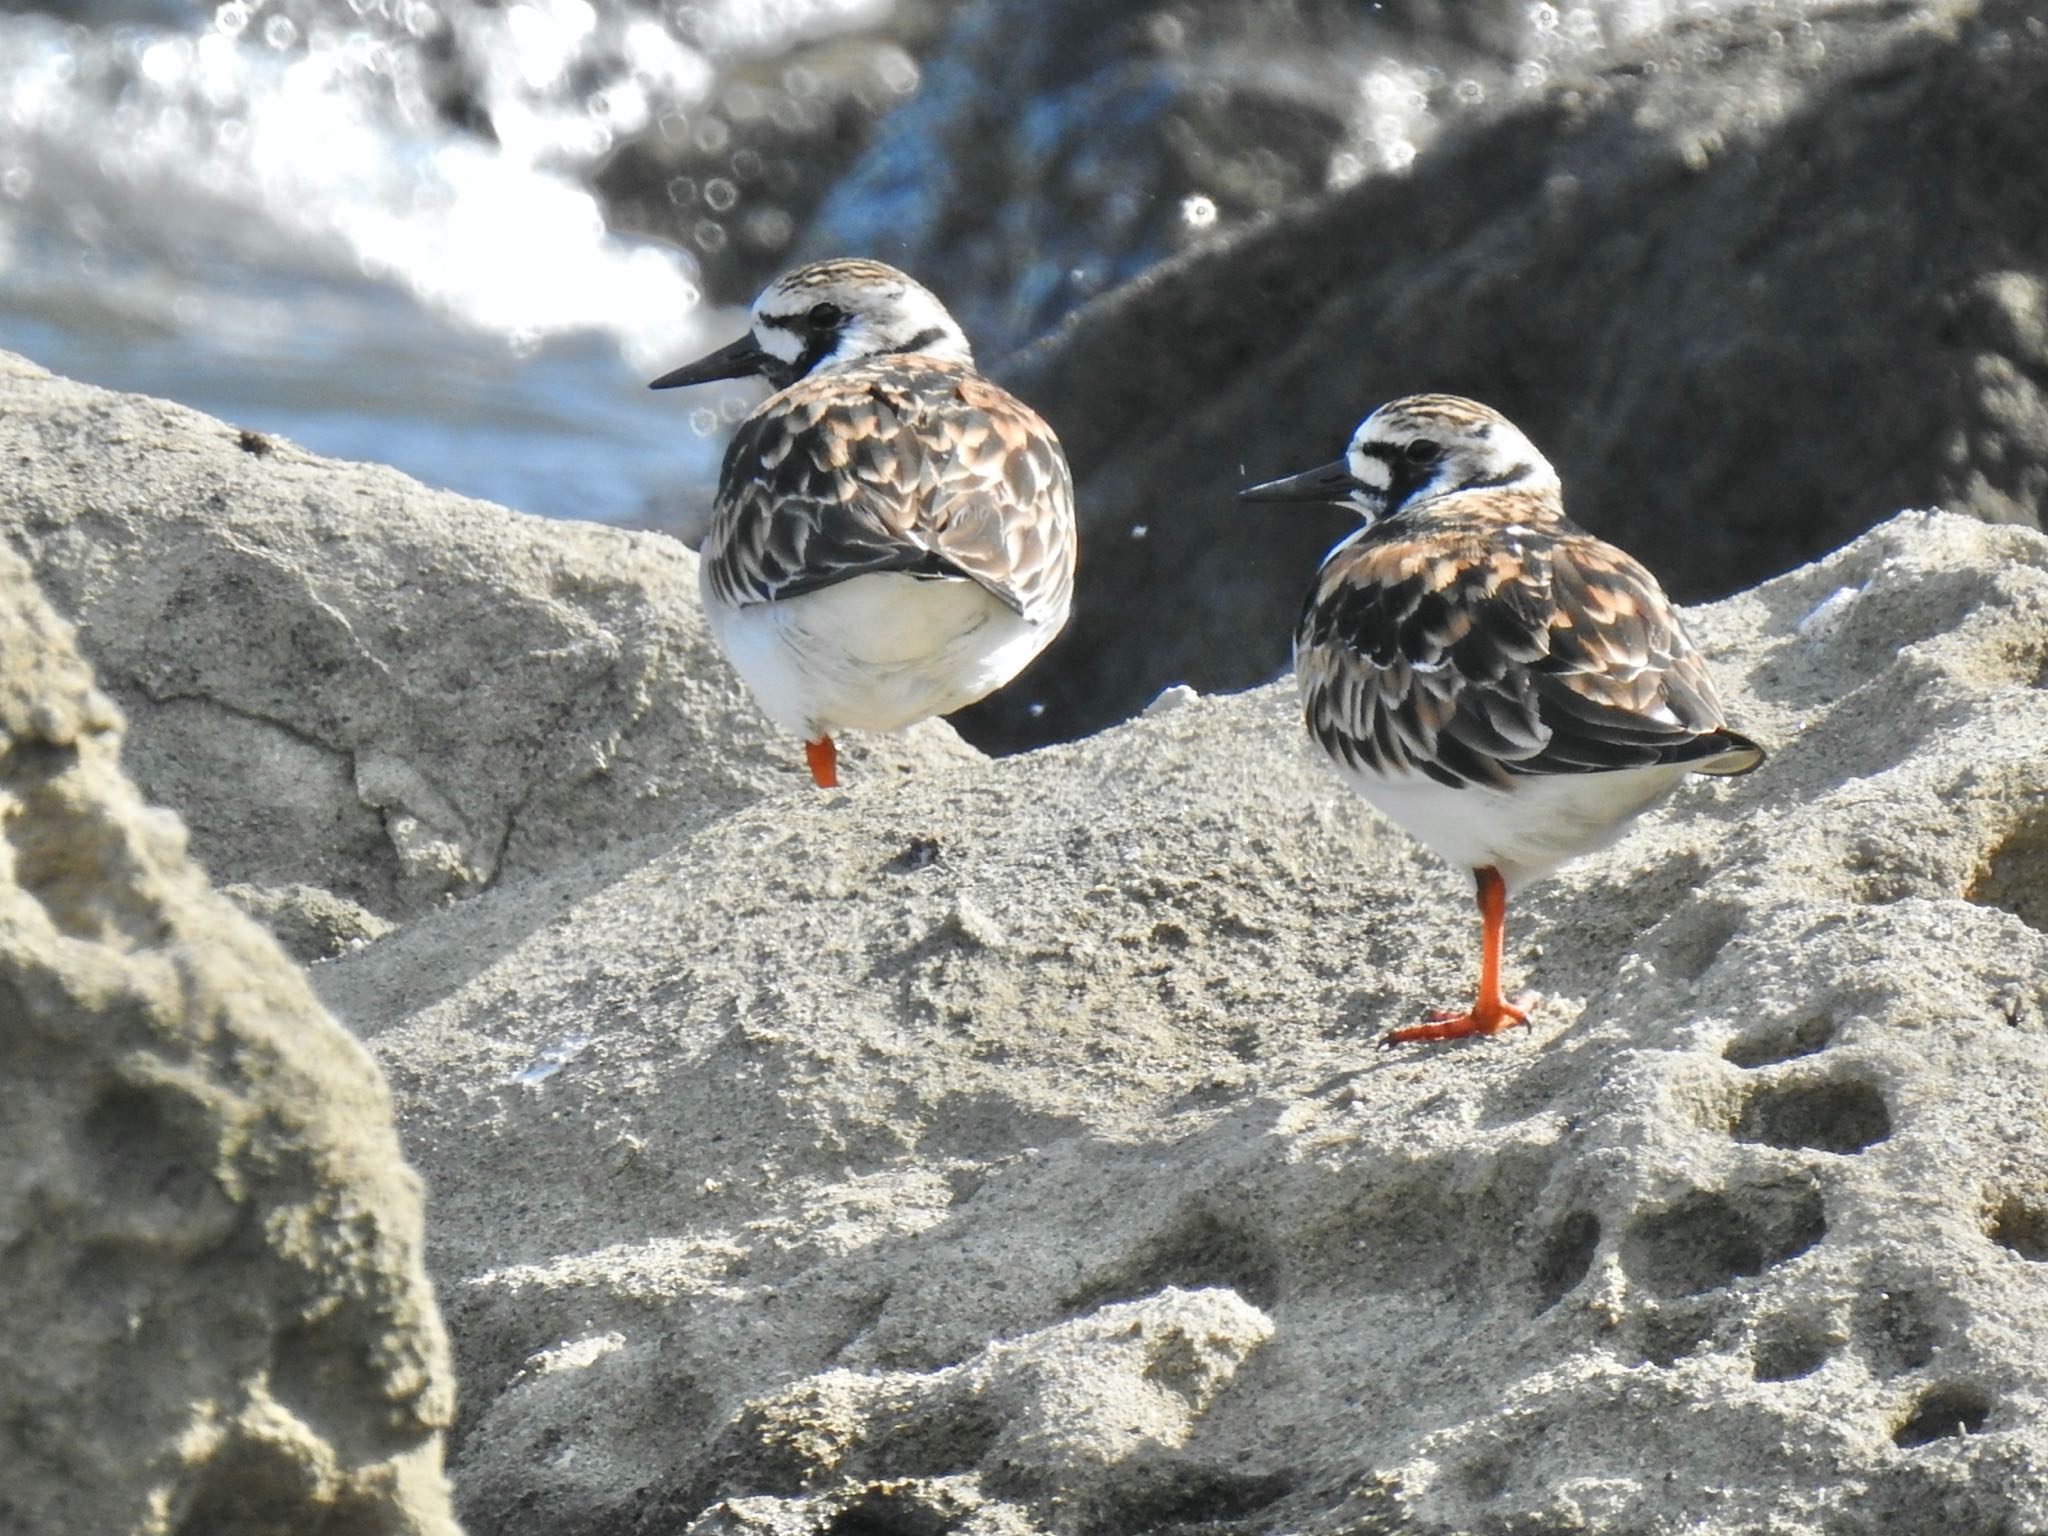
x,y
1075,1415
745,1161
214,1316
365,696
999,1148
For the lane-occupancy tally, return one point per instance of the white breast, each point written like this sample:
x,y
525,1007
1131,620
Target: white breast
x,y
1524,832
873,653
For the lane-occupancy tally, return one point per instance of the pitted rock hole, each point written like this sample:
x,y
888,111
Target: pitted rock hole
x,y
1840,1117
1897,1330
1196,1250
1787,1351
1699,938
1942,1413
249,1482
1768,1047
1204,1497
156,1157
1710,1238
2014,876
1670,1333
318,1370
1566,1256
2022,1227
890,1512
1485,1477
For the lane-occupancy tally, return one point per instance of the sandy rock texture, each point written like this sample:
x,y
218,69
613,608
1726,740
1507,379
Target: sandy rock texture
x,y
1003,1149
998,1148
1665,263
366,697
214,1314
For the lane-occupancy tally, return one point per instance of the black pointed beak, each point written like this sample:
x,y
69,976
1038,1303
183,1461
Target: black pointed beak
x,y
733,361
1331,483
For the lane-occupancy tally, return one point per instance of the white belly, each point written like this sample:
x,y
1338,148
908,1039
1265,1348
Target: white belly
x,y
1524,832
873,653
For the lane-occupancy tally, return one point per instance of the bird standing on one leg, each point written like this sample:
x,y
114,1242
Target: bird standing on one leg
x,y
893,536
1508,689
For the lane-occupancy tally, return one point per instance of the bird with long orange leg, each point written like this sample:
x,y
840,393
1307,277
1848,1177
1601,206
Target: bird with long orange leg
x,y
1505,687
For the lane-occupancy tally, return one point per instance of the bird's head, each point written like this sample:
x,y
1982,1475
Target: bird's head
x,y
1414,449
827,314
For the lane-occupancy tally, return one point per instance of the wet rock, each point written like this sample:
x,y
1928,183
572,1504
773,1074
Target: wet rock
x,y
1750,289
734,179
216,1317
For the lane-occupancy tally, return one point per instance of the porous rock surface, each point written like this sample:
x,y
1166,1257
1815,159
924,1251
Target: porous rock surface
x,y
1004,1149
214,1313
999,1148
1663,263
366,697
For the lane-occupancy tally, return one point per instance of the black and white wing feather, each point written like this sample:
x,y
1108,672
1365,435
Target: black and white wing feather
x,y
902,463
1481,647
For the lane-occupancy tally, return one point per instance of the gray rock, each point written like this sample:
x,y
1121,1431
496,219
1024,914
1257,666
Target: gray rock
x,y
807,1176
999,1148
365,696
1751,289
214,1315
1076,1414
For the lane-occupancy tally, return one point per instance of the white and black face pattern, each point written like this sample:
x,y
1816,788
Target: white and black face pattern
x,y
1423,446
837,312
1413,450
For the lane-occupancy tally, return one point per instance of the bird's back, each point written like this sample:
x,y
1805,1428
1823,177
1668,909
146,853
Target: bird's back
x,y
903,462
1483,638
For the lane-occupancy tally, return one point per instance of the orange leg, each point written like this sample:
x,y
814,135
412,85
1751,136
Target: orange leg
x,y
823,757
1490,1013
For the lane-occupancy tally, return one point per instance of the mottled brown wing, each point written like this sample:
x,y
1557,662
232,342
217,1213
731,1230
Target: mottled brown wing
x,y
1622,685
1478,649
901,464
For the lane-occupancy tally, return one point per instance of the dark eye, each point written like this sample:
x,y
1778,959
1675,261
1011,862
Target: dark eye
x,y
1423,451
825,316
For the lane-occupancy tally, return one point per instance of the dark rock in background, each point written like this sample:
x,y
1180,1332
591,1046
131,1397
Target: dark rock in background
x,y
1037,154
732,181
1750,290
1056,150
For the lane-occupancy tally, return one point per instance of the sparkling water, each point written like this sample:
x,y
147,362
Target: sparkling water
x,y
370,225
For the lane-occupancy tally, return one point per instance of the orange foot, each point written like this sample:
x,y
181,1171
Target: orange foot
x,y
823,757
1487,1016
1491,1013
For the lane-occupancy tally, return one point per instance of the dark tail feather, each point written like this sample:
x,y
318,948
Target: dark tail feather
x,y
1723,752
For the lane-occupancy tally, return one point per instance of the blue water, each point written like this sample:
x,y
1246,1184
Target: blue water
x,y
566,429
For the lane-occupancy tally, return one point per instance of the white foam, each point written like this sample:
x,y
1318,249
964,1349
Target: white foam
x,y
248,140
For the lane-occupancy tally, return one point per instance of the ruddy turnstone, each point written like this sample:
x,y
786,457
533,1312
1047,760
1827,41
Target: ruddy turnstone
x,y
893,536
1508,689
